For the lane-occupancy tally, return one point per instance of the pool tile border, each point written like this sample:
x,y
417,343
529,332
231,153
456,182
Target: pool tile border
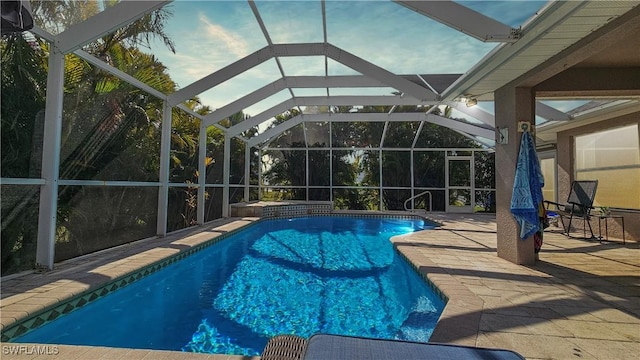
x,y
448,259
424,276
461,305
48,314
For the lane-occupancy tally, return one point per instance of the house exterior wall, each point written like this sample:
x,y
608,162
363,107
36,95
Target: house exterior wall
x,y
565,159
512,105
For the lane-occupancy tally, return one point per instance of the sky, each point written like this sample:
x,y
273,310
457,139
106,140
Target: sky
x,y
210,35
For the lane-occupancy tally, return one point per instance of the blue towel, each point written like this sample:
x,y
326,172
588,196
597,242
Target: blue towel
x,y
527,188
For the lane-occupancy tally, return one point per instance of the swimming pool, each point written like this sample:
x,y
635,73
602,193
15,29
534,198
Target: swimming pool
x,y
301,276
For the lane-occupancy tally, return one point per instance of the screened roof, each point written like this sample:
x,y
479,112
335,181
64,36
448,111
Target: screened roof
x,y
266,57
172,112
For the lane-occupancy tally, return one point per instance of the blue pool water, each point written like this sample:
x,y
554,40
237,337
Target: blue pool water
x,y
301,276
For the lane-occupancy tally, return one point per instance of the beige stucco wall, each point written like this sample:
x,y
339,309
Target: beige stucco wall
x,y
512,105
566,175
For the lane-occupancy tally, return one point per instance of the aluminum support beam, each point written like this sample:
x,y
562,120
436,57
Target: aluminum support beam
x,y
412,174
119,73
305,49
473,111
222,75
484,131
247,167
330,164
254,141
415,138
334,81
550,113
202,173
226,172
21,181
243,65
256,13
185,108
306,172
43,34
68,182
366,68
475,139
260,118
245,101
463,19
47,215
381,179
550,16
359,100
384,134
112,18
259,173
165,164
319,101
290,82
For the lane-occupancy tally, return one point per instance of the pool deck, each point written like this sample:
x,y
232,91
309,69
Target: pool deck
x,y
580,300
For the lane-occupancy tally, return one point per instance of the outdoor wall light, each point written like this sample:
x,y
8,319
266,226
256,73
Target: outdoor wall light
x,y
471,102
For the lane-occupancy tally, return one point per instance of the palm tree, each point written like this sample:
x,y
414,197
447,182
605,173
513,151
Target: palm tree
x,y
23,80
120,140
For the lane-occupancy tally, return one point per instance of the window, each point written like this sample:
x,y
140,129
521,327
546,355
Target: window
x,y
548,166
613,158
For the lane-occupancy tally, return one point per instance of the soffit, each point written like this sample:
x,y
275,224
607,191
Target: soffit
x,y
507,64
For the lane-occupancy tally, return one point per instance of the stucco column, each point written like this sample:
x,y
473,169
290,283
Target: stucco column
x,y
564,158
511,105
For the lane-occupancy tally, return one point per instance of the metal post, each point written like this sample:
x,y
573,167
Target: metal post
x,y
45,249
472,175
225,175
165,150
331,162
384,133
202,171
247,166
380,197
306,161
412,180
259,173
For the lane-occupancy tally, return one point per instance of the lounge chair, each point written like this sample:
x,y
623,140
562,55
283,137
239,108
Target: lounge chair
x,y
579,205
284,347
338,347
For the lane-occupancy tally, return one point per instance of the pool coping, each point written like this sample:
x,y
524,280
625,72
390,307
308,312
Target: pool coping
x,y
579,300
460,303
62,294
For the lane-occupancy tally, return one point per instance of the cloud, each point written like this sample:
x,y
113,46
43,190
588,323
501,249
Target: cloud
x,y
383,33
401,41
280,18
215,33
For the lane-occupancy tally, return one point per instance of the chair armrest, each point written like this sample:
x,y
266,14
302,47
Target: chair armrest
x,y
548,202
586,207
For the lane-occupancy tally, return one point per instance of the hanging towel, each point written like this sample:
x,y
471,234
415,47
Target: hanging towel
x,y
527,188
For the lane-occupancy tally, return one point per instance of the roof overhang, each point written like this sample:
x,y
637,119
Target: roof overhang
x,y
561,36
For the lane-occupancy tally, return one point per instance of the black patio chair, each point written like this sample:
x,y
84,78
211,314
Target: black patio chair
x,y
579,205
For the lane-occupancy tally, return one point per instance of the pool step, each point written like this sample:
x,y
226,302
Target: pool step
x,y
417,326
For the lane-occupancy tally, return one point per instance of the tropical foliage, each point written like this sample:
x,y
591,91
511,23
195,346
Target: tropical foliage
x,y
357,150
111,131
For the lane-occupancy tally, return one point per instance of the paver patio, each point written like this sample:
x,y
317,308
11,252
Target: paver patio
x,y
581,300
